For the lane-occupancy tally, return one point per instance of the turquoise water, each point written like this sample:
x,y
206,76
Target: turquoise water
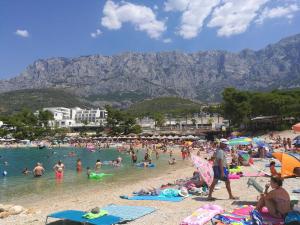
x,y
17,186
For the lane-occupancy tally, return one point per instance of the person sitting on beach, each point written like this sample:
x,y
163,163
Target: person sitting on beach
x,y
234,160
98,165
276,201
273,171
26,171
38,170
296,171
59,169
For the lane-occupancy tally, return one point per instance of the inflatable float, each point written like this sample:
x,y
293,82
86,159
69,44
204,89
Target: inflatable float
x,y
97,176
141,165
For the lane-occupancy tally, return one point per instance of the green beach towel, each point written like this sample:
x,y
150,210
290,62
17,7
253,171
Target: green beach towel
x,y
91,215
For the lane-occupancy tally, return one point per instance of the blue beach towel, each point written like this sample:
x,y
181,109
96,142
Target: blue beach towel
x,y
154,198
128,213
75,215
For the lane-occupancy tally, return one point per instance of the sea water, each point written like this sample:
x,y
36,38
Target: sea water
x,y
16,185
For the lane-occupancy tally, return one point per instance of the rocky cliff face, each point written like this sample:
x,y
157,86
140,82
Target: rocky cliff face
x,y
201,75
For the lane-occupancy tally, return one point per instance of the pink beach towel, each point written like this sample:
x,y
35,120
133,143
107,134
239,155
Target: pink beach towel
x,y
202,215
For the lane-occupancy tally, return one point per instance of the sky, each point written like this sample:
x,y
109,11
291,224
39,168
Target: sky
x,y
40,29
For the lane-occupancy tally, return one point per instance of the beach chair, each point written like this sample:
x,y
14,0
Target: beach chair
x,y
76,216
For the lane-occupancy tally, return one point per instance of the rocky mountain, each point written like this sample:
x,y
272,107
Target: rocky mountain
x,y
130,76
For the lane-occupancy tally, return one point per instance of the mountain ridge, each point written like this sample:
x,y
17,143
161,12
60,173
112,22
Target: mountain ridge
x,y
200,75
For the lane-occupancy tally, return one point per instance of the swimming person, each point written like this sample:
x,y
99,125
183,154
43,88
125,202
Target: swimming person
x,y
59,169
38,170
88,172
26,171
98,165
277,201
79,166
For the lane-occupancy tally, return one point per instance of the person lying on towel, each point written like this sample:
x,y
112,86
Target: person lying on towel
x,y
277,201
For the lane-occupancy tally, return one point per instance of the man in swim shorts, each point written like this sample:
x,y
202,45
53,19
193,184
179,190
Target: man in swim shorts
x,y
38,170
220,167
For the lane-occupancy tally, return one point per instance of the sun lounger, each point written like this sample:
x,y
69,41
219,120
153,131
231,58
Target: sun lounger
x,y
154,198
128,213
76,216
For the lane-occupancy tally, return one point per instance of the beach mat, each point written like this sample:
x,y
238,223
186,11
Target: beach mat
x,y
128,213
75,215
156,198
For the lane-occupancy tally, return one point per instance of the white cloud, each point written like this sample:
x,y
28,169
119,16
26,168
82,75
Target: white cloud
x,y
96,34
176,5
155,7
22,33
167,40
142,17
277,12
235,16
193,16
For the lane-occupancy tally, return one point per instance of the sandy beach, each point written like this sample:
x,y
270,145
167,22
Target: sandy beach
x,y
168,213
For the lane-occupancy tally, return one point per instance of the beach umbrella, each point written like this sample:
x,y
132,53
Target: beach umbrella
x,y
240,141
296,127
288,163
204,168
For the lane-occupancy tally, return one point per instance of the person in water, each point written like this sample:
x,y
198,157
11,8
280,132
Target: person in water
x,y
26,171
88,172
133,157
38,170
79,166
59,169
277,201
98,165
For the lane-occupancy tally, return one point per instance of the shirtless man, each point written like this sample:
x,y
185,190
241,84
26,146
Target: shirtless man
x,y
98,165
277,201
38,170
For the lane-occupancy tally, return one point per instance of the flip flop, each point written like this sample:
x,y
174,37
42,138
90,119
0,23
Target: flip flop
x,y
234,198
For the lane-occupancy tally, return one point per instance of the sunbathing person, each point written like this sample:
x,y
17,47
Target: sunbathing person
x,y
276,201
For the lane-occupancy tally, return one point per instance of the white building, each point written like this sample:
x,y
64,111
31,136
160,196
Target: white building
x,y
68,117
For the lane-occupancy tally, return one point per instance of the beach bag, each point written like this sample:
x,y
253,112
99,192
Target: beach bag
x,y
292,217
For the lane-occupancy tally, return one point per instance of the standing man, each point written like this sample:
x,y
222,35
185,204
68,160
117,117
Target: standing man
x,y
38,170
220,171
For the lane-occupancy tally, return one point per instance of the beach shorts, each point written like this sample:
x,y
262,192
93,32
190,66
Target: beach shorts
x,y
217,173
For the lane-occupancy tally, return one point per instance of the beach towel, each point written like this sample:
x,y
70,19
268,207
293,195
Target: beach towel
x,y
91,215
76,216
202,215
128,213
154,198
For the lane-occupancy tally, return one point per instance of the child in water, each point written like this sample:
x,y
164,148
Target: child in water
x,y
88,172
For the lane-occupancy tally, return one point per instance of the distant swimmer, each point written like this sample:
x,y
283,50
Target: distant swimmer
x,y
38,170
26,171
6,163
59,169
4,173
